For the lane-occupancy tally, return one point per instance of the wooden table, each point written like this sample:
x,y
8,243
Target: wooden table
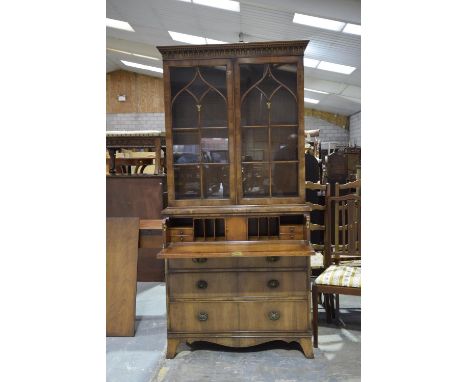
x,y
116,140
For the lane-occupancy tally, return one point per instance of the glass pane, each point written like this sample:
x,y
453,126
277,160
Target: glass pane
x,y
213,111
187,182
216,77
216,181
180,77
214,145
255,144
254,109
284,143
286,74
284,179
255,180
185,147
283,108
184,111
249,75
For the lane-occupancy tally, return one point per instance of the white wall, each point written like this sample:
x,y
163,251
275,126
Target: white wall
x,y
135,121
328,132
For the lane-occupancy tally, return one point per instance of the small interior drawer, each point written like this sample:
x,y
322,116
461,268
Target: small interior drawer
x,y
291,228
177,231
181,238
292,236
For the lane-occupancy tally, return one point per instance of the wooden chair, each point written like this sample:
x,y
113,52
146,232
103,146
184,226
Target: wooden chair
x,y
339,278
317,223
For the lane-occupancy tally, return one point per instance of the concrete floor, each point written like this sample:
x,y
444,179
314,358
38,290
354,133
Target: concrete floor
x,y
142,358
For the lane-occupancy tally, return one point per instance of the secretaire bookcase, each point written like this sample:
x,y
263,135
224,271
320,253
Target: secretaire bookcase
x,y
236,230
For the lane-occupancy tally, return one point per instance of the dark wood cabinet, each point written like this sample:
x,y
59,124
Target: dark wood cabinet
x,y
236,230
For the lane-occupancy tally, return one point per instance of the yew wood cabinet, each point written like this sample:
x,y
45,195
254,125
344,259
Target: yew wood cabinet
x,y
236,229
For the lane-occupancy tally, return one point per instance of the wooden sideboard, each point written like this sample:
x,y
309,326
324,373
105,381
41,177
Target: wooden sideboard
x,y
142,196
236,230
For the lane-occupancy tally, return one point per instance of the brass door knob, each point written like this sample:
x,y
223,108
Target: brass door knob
x,y
272,259
200,260
273,315
202,284
202,316
273,283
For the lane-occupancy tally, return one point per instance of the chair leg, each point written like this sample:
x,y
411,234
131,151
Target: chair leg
x,y
315,315
337,306
328,307
332,306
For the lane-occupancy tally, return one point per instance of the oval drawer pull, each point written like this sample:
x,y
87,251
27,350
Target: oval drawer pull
x,y
181,238
273,283
272,259
181,232
202,284
200,260
291,229
202,316
273,315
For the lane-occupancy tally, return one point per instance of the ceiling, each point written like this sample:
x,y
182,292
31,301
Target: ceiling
x,y
258,20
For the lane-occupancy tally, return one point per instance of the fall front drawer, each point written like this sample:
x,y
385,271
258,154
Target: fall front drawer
x,y
271,316
229,285
246,262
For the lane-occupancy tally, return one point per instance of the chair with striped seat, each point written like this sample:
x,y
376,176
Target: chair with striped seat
x,y
339,277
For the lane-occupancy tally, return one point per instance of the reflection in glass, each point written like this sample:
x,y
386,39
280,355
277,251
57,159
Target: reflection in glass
x,y
180,77
249,75
255,144
284,143
283,108
214,145
187,182
254,110
215,76
185,147
284,179
216,181
286,74
184,111
213,111
255,180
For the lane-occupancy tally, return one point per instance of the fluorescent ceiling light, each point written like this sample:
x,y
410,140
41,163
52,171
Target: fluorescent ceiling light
x,y
141,66
133,54
352,28
191,39
229,5
111,23
311,100
316,91
344,69
310,62
318,22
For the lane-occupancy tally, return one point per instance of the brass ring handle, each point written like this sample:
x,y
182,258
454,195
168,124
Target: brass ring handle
x,y
272,259
202,284
200,260
273,315
273,283
202,316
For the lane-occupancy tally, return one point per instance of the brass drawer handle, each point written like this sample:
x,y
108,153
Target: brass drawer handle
x,y
200,260
202,316
291,229
272,259
181,232
202,284
273,315
181,238
273,283
291,236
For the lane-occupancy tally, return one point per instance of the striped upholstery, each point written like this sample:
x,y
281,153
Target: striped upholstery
x,y
340,275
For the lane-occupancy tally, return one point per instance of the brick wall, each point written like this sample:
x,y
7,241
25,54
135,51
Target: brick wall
x,y
135,121
355,129
328,132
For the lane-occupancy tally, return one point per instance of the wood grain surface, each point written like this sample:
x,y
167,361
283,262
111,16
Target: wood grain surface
x,y
121,274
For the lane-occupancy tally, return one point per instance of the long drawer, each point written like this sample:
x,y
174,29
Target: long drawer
x,y
271,316
228,285
246,262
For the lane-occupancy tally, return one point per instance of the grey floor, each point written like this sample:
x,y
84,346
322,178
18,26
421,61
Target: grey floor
x,y
142,358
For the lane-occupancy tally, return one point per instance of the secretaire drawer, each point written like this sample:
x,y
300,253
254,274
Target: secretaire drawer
x,y
176,231
273,284
202,285
293,228
199,317
292,236
202,263
274,316
273,261
180,238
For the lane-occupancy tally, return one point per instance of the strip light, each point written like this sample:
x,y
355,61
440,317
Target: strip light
x,y
315,91
141,66
311,100
117,24
352,29
133,54
191,39
318,22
